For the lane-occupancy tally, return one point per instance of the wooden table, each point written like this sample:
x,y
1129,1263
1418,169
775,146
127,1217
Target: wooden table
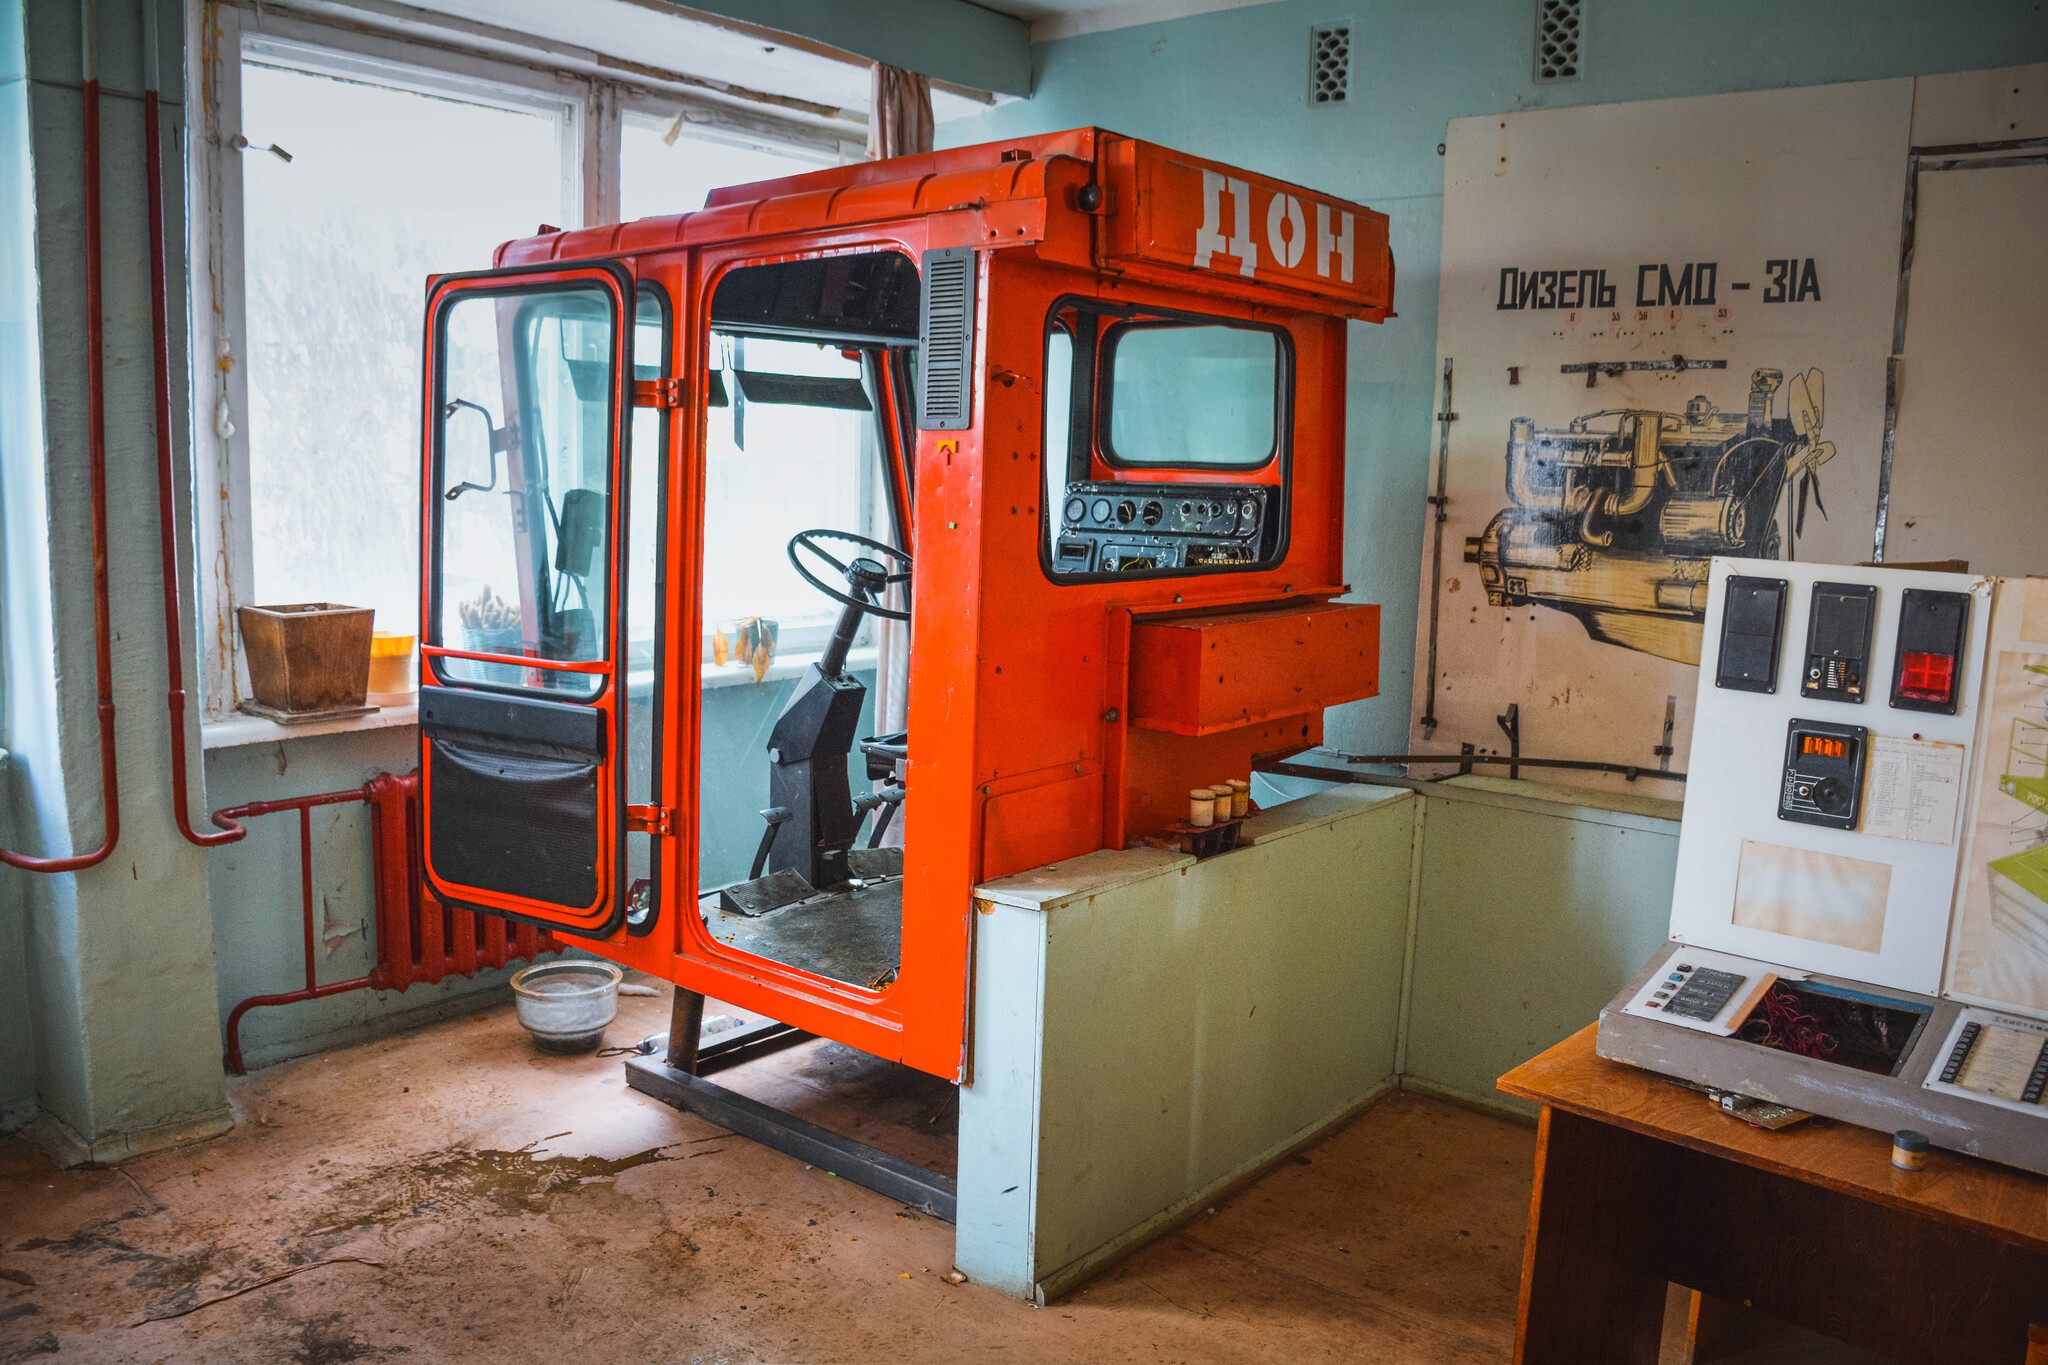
x,y
1640,1182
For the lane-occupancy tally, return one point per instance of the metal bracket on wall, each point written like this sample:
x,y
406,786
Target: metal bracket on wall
x,y
1438,502
1511,725
1665,750
1593,369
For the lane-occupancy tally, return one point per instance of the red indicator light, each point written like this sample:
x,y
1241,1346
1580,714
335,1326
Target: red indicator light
x,y
1928,677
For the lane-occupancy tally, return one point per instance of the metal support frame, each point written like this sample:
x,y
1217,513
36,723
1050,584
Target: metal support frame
x,y
890,1176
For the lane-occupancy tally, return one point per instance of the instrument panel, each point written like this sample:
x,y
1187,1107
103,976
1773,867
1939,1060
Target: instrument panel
x,y
1149,528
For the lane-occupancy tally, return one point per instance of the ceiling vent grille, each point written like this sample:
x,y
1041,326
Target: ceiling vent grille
x,y
1329,65
1557,40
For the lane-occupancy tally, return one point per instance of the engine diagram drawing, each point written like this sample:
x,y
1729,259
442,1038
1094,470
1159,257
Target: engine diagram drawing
x,y
1614,517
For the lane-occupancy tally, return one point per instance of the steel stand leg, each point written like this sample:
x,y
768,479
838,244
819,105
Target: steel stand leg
x,y
685,1028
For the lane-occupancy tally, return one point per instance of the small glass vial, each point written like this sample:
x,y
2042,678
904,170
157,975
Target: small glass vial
x,y
1240,798
1909,1150
1201,807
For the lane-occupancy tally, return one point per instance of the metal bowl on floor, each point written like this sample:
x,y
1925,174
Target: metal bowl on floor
x,y
566,1005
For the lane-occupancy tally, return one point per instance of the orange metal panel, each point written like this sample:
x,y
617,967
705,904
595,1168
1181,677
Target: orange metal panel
x,y
1177,210
1198,675
1033,826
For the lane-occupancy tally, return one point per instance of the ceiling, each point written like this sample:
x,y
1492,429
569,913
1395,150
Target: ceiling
x,y
1068,18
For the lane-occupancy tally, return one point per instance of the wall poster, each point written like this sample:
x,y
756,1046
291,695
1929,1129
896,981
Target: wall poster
x,y
1999,952
1667,325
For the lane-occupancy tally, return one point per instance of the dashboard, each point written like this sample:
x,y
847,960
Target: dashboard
x,y
1132,528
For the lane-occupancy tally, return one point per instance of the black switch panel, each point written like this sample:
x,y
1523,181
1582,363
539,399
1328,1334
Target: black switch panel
x,y
1155,528
1823,782
1838,634
1752,626
1928,673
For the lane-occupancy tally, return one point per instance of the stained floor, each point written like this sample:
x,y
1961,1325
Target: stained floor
x,y
450,1195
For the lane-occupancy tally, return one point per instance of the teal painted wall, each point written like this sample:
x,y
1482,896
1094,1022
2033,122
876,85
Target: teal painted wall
x,y
1530,916
1232,85
117,959
17,382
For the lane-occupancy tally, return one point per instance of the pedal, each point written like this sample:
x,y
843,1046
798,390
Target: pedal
x,y
765,894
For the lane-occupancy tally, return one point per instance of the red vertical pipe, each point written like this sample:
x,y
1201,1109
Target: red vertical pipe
x,y
95,386
306,888
166,495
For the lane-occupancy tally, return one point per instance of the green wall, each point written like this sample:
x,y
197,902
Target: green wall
x,y
1530,915
1232,85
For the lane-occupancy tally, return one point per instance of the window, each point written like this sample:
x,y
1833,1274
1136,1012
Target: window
x,y
773,468
1059,426
340,166
660,175
1192,397
1165,437
385,186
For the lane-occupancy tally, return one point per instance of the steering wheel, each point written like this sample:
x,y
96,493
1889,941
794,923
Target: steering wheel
x,y
863,575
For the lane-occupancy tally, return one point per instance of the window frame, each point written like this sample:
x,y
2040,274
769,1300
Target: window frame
x,y
1087,431
616,648
589,108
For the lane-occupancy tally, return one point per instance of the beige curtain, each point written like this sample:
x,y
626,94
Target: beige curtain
x,y
899,124
899,114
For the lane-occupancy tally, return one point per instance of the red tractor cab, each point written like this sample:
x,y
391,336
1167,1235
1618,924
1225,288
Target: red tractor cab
x,y
1097,391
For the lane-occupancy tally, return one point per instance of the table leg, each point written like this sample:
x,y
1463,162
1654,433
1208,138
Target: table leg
x,y
1593,1272
1707,1317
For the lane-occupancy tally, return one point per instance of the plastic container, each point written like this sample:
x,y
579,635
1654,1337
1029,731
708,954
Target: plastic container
x,y
566,1005
391,668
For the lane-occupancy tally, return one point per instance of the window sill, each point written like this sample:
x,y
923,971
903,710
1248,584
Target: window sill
x,y
237,730
234,731
786,666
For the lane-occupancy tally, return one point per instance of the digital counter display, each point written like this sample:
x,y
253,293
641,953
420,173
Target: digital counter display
x,y
1823,747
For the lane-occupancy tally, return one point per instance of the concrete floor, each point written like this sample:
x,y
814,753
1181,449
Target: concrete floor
x,y
450,1195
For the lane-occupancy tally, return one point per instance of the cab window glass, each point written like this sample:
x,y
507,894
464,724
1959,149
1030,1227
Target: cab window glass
x,y
1059,428
1191,396
525,412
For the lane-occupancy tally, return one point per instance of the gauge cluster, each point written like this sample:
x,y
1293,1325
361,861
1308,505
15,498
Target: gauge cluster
x,y
1132,528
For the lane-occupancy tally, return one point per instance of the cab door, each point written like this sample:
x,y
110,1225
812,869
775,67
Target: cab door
x,y
523,617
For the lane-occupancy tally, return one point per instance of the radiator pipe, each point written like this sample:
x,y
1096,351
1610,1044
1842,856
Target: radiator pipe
x,y
166,496
95,384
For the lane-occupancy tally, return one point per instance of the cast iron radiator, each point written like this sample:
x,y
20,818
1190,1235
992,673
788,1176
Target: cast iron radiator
x,y
419,940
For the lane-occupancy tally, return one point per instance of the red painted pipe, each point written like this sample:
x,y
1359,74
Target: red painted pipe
x,y
167,506
95,383
312,990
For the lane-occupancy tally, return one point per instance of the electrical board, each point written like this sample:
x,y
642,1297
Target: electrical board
x,y
1822,816
1834,862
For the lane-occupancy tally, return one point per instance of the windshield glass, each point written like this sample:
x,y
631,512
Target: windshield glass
x,y
1192,396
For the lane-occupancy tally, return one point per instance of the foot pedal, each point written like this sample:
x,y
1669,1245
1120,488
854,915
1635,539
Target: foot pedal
x,y
869,864
763,894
